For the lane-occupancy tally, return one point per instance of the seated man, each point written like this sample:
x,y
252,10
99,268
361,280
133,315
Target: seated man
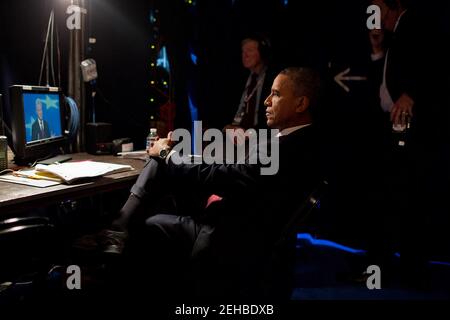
x,y
232,240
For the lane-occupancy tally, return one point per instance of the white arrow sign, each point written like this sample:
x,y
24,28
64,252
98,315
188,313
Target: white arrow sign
x,y
340,77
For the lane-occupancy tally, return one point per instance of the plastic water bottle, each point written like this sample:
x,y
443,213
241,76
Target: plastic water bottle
x,y
151,138
3,153
401,130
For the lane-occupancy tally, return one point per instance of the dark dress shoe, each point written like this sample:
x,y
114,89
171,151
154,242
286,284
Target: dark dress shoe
x,y
112,242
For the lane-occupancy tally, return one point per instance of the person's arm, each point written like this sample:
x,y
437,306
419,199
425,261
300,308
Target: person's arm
x,y
376,63
221,179
414,51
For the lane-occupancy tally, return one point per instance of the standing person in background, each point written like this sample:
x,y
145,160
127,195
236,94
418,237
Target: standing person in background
x,y
399,189
255,58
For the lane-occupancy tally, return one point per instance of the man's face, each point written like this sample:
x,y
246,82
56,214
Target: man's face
x,y
282,104
39,109
251,57
388,16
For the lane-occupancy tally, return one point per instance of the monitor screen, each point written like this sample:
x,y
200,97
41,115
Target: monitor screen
x,y
42,116
38,122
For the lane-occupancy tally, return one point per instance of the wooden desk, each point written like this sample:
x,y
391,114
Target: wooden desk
x,y
16,197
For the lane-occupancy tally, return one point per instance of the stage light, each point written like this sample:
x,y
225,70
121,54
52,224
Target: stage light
x,y
152,82
152,100
193,58
152,64
153,46
165,83
89,70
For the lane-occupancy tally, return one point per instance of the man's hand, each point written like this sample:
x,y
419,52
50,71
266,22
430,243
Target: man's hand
x,y
160,144
402,109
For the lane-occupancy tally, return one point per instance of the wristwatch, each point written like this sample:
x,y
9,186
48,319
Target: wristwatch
x,y
164,153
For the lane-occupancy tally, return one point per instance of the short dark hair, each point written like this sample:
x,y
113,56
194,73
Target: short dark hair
x,y
306,82
264,46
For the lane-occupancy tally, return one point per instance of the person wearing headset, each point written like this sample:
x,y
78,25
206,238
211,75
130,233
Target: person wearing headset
x,y
255,58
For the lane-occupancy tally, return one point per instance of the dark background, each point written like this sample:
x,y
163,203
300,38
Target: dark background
x,y
328,35
312,33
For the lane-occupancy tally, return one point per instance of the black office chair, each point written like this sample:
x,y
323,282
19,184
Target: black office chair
x,y
25,252
305,214
280,275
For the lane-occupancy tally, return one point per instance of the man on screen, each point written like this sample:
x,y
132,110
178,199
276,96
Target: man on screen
x,y
40,129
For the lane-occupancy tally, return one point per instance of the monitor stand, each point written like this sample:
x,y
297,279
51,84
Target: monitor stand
x,y
50,160
57,159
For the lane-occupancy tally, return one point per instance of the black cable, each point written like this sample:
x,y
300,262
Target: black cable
x,y
51,48
74,122
45,49
58,52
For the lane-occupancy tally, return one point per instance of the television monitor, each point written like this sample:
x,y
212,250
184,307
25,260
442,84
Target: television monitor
x,y
38,124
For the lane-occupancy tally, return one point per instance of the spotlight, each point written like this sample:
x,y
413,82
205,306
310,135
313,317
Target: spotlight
x,y
89,70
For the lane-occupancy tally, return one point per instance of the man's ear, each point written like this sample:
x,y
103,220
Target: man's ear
x,y
302,104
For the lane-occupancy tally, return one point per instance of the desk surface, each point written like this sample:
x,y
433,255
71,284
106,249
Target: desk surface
x,y
16,197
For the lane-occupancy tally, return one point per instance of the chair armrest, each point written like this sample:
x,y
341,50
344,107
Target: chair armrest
x,y
17,224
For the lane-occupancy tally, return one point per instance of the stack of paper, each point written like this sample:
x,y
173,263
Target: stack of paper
x,y
71,171
141,155
29,178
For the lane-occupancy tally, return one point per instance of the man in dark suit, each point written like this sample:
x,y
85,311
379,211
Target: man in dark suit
x,y
230,244
402,76
256,59
399,177
39,129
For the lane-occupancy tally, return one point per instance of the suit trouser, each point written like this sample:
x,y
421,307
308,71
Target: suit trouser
x,y
174,250
398,205
164,249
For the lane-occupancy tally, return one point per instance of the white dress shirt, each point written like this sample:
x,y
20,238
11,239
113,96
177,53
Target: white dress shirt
x,y
288,131
386,100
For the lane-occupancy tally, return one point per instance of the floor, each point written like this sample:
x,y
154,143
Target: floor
x,y
322,274
322,268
